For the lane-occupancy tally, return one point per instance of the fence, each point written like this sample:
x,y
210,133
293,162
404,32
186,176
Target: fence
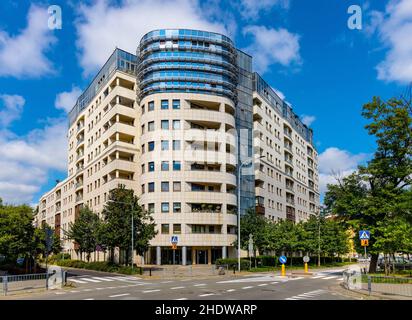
x,y
11,284
396,286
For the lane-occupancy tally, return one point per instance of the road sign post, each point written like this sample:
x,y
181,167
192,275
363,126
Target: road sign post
x,y
282,260
306,260
364,236
174,240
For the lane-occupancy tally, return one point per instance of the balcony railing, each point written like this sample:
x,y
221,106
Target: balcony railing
x,y
79,198
260,209
288,146
80,141
78,184
287,133
290,201
289,160
289,187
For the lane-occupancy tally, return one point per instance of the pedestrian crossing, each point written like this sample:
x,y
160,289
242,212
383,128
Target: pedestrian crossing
x,y
311,295
91,279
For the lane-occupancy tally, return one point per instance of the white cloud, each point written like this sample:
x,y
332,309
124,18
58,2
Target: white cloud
x,y
24,55
395,31
26,160
307,119
67,99
11,107
251,9
337,162
270,46
101,26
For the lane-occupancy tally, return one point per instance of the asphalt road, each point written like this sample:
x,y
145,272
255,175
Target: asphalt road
x,y
89,285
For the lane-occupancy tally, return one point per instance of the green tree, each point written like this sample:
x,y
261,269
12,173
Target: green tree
x,y
85,231
117,214
379,191
255,224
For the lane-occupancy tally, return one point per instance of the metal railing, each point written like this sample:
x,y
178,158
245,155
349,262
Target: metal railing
x,y
383,285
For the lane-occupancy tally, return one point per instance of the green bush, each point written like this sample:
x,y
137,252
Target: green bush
x,y
233,263
98,266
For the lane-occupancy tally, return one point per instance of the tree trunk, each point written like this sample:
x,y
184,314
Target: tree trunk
x,y
374,263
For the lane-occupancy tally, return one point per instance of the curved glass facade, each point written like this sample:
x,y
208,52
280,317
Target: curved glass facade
x,y
181,60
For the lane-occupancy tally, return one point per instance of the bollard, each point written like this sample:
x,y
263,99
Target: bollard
x,y
150,272
369,285
283,270
234,270
306,267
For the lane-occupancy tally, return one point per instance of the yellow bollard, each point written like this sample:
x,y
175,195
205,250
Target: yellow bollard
x,y
306,267
283,270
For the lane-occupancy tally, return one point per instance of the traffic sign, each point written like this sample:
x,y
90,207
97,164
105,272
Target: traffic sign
x,y
20,261
282,259
364,235
364,242
306,259
174,246
174,239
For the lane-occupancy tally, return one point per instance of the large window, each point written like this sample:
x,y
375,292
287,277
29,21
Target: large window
x,y
165,124
176,124
177,186
165,104
165,145
176,165
150,106
151,208
150,126
151,186
165,186
165,207
165,165
151,145
176,144
177,207
176,104
151,166
142,188
177,228
165,229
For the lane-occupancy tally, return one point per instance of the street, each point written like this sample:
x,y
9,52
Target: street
x,y
90,285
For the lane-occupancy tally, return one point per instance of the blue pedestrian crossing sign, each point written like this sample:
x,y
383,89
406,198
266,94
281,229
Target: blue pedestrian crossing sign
x,y
282,259
364,235
174,239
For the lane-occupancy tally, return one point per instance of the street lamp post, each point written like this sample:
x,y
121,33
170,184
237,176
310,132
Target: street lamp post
x,y
238,208
131,204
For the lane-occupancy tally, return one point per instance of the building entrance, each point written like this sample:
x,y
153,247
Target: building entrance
x,y
201,256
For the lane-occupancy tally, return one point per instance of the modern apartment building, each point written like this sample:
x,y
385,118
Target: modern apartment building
x,y
174,122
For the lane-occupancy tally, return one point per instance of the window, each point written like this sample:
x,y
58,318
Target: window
x,y
176,124
176,165
165,104
165,207
151,166
143,129
143,170
143,149
177,207
177,228
142,109
150,106
176,104
151,208
176,144
142,188
177,186
151,186
165,124
165,165
150,126
165,228
151,145
165,145
165,186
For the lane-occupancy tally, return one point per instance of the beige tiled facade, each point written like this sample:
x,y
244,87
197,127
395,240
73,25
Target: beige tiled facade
x,y
178,152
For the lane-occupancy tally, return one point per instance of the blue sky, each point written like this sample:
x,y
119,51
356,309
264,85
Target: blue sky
x,y
304,49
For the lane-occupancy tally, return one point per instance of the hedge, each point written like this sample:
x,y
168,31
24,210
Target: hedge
x,y
98,266
233,263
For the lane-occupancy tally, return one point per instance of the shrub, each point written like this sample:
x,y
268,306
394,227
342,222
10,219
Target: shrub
x,y
233,263
98,266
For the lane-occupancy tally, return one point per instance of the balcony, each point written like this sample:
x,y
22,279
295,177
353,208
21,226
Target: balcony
x,y
289,160
290,187
80,127
80,141
288,133
79,198
288,147
78,184
260,209
290,201
79,169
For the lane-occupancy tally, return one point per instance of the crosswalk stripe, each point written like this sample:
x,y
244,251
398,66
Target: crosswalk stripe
x,y
298,278
331,277
274,282
148,291
262,285
339,279
90,280
206,294
174,288
119,295
181,299
89,299
230,290
247,287
77,281
199,284
290,299
103,279
317,277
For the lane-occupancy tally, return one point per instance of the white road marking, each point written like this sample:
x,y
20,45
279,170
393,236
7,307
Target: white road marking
x,y
290,299
230,290
331,277
147,291
339,279
119,295
166,281
175,288
206,294
60,292
90,280
89,299
262,285
247,287
307,295
181,299
298,278
74,291
317,277
77,281
87,290
199,284
103,279
274,282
